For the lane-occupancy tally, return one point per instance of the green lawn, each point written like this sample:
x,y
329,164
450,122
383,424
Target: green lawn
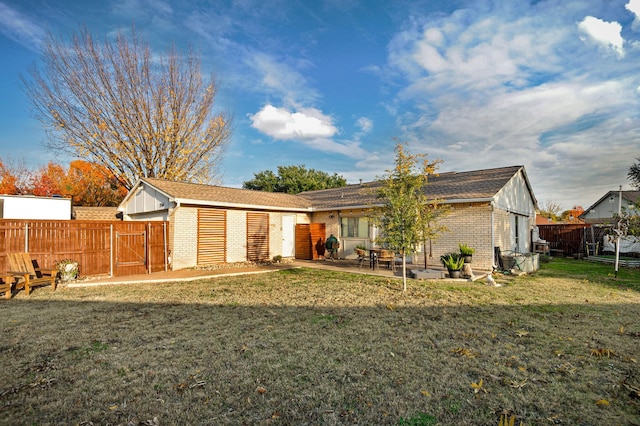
x,y
305,346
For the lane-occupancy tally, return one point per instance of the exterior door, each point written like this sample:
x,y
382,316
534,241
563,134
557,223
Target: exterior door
x,y
288,235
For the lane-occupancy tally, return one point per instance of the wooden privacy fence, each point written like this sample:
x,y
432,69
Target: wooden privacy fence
x,y
114,248
567,238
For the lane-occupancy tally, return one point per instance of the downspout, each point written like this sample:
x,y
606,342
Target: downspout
x,y
493,235
171,211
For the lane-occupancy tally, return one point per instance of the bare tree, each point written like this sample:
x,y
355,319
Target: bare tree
x,y
550,210
115,104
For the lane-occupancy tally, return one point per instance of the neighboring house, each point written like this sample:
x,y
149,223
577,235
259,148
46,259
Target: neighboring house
x,y
95,213
33,207
211,224
601,212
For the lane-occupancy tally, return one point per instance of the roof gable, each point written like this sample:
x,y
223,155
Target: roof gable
x,y
194,193
632,197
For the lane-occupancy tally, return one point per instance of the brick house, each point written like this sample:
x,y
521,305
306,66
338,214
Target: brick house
x,y
212,224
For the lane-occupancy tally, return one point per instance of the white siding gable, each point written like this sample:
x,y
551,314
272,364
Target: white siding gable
x,y
146,199
515,197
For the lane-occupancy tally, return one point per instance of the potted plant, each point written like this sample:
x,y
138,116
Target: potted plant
x,y
68,269
454,264
466,252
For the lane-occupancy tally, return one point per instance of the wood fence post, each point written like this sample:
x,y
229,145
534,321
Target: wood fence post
x,y
147,249
111,250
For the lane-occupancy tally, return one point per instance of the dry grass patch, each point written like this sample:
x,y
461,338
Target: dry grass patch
x,y
315,347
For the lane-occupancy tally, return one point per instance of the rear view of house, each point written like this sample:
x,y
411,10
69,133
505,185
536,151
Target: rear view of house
x,y
213,224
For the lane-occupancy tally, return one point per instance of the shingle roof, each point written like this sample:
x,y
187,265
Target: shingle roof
x,y
631,196
94,213
212,194
449,186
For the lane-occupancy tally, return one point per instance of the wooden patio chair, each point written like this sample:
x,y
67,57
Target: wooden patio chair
x,y
20,264
362,257
387,256
6,286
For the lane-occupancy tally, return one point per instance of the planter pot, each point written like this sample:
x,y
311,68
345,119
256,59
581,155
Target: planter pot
x,y
69,272
467,258
455,274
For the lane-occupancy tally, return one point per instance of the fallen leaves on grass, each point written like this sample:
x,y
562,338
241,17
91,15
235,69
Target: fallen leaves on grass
x,y
602,402
507,421
603,353
518,384
466,352
478,387
261,390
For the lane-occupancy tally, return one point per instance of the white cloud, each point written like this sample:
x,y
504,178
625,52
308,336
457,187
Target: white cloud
x,y
607,34
469,51
281,79
20,28
494,86
634,7
365,124
281,123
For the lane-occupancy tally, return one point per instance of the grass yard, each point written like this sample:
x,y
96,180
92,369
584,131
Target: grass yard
x,y
306,346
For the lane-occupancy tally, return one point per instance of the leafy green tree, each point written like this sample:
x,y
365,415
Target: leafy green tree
x,y
293,180
634,174
404,215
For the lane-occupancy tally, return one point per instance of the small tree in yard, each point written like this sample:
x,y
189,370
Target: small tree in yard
x,y
405,216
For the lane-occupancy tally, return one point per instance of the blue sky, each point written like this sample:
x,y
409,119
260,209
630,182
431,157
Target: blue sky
x,y
553,85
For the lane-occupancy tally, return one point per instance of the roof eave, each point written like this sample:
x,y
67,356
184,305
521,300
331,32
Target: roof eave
x,y
468,200
241,206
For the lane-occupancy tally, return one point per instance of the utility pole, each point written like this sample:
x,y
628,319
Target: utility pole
x,y
618,231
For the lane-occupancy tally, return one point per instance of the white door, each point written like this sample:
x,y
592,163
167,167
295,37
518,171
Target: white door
x,y
288,235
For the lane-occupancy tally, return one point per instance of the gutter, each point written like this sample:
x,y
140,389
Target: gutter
x,y
240,206
368,206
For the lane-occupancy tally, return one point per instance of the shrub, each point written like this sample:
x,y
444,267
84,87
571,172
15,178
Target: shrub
x,y
465,250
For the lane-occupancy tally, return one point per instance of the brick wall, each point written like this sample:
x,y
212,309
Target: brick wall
x,y
275,235
184,237
236,236
468,224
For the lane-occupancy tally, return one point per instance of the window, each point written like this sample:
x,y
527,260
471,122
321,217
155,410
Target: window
x,y
354,227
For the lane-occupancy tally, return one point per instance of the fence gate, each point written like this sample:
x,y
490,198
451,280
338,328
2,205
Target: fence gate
x,y
130,253
310,241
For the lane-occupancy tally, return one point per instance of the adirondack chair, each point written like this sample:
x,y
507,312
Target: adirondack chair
x,y
7,285
20,264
